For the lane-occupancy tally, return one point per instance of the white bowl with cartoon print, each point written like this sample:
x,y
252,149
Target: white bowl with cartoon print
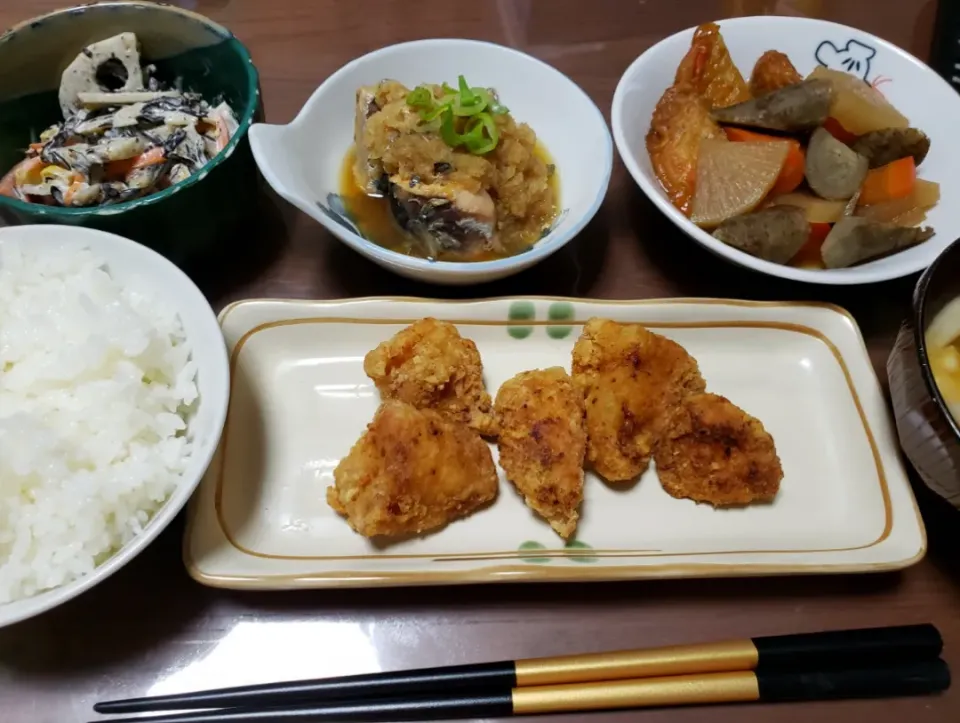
x,y
302,160
929,102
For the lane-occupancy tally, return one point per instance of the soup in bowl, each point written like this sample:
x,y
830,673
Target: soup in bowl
x,y
924,374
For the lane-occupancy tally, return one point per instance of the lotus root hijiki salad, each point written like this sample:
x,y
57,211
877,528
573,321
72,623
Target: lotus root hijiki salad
x,y
125,133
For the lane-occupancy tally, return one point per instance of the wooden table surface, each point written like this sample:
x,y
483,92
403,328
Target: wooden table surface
x,y
151,629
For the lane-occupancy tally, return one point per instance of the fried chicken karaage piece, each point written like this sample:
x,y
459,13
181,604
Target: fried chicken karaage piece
x,y
709,70
631,379
542,443
680,122
412,471
773,71
715,452
430,366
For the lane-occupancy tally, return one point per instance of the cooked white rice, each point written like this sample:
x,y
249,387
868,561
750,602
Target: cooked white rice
x,y
95,384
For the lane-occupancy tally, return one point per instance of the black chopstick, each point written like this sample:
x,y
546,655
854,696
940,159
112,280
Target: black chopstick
x,y
838,649
913,678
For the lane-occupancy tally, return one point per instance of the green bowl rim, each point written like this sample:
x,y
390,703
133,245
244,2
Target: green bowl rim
x,y
253,89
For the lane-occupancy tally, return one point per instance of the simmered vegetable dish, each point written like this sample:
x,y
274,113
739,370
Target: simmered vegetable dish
x,y
816,172
124,135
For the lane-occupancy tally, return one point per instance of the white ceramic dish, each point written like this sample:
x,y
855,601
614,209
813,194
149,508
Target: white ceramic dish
x,y
302,160
300,399
918,92
140,268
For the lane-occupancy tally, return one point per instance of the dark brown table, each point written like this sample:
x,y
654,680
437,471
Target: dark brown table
x,y
152,629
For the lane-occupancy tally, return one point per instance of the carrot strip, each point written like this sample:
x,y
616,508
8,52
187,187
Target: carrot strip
x,y
791,175
118,170
149,158
7,185
71,192
743,135
838,131
9,182
887,183
809,255
223,134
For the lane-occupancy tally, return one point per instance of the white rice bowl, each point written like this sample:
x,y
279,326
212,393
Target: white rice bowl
x,y
109,408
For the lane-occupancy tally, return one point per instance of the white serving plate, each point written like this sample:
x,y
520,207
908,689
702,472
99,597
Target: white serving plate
x,y
300,399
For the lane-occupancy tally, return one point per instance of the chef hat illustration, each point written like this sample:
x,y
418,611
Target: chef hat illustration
x,y
854,57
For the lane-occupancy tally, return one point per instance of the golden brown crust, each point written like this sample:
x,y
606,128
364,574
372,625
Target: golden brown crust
x,y
410,472
429,365
680,122
710,71
715,452
542,443
631,380
773,71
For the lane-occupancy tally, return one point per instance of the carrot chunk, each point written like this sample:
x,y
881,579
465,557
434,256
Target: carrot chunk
x,y
791,175
887,183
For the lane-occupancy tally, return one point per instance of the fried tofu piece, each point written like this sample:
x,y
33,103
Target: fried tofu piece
x,y
631,379
542,443
773,71
715,452
429,365
709,70
680,122
412,471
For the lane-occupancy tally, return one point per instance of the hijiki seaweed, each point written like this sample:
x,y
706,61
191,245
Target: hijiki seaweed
x,y
125,134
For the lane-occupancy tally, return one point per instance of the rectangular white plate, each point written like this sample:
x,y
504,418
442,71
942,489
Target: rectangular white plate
x,y
300,399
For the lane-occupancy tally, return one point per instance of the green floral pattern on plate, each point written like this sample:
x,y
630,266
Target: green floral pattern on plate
x,y
526,311
560,311
581,548
532,545
521,311
577,552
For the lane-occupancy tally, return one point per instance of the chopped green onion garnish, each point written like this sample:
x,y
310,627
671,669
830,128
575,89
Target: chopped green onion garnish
x,y
448,131
420,97
466,95
433,113
475,141
475,104
481,100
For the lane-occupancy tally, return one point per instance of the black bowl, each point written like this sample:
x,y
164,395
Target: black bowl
x,y
929,435
179,221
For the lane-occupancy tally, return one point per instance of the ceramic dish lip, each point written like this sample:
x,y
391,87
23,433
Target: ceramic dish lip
x,y
203,453
544,248
919,318
245,121
653,191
